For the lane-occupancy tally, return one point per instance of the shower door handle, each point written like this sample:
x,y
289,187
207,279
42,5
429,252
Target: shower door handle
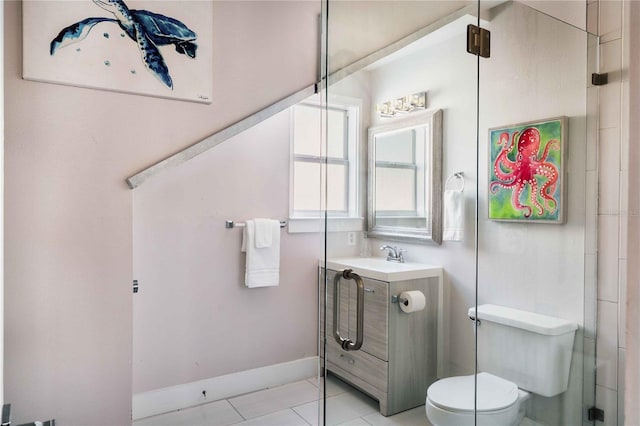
x,y
347,344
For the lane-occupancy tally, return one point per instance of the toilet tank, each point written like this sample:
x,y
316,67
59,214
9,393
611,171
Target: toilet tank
x,y
531,350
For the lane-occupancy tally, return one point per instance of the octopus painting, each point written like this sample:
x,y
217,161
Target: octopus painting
x,y
526,164
147,29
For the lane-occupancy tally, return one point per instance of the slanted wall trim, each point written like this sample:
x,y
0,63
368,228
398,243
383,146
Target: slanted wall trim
x,y
273,109
219,137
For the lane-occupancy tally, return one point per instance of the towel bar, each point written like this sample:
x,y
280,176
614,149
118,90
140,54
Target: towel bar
x,y
231,224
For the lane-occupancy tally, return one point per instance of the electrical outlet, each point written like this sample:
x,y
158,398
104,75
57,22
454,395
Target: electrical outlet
x,y
351,238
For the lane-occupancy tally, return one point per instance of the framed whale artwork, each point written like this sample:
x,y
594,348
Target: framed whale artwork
x,y
527,171
154,48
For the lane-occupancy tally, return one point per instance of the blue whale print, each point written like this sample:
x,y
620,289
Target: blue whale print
x,y
149,30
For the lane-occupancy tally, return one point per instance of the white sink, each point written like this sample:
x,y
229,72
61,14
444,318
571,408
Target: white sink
x,y
380,269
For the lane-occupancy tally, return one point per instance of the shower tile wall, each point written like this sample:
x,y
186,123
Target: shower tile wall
x,y
608,19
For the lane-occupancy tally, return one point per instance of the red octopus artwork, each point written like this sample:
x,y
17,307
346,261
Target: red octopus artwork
x,y
528,169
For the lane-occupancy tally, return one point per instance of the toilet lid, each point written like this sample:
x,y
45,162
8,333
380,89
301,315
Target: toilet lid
x,y
457,393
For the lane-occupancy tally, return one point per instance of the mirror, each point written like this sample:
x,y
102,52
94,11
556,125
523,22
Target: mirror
x,y
405,179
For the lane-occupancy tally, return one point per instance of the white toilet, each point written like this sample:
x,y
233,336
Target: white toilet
x,y
519,353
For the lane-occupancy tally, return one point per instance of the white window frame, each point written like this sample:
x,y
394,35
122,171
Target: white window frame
x,y
351,219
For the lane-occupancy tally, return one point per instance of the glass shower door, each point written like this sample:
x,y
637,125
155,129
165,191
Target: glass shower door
x,y
468,195
536,233
390,285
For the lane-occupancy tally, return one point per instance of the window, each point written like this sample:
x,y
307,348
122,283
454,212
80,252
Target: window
x,y
400,173
312,162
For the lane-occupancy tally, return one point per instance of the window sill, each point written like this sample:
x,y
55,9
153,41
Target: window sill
x,y
334,224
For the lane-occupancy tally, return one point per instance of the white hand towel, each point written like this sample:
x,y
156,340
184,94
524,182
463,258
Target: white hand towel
x,y
264,232
453,227
263,264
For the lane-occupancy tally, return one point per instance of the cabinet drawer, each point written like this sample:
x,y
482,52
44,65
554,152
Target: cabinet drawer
x,y
360,364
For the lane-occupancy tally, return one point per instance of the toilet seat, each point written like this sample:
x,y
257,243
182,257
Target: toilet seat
x,y
456,394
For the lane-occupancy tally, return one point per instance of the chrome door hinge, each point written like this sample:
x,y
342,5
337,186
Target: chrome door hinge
x,y
478,41
595,413
135,286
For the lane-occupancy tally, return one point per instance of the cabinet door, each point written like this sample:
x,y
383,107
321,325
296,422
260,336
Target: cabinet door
x,y
343,317
376,319
376,316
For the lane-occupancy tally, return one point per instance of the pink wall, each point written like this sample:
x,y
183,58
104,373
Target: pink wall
x,y
68,224
194,318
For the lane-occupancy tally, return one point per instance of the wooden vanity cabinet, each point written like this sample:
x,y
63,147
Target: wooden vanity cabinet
x,y
398,357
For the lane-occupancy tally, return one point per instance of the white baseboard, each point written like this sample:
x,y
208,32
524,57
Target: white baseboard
x,y
172,398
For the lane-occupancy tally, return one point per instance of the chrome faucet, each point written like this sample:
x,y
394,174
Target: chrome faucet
x,y
394,254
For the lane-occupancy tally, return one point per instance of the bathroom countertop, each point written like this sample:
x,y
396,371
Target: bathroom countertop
x,y
380,269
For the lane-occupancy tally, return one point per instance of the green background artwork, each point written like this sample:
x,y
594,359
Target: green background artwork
x,y
500,204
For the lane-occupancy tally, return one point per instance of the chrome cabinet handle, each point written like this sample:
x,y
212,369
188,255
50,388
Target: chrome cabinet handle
x,y
369,290
347,344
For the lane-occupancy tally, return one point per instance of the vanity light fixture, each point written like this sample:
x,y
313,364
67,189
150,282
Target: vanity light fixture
x,y
386,109
405,104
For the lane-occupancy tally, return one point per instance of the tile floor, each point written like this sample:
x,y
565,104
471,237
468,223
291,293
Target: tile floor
x,y
294,404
